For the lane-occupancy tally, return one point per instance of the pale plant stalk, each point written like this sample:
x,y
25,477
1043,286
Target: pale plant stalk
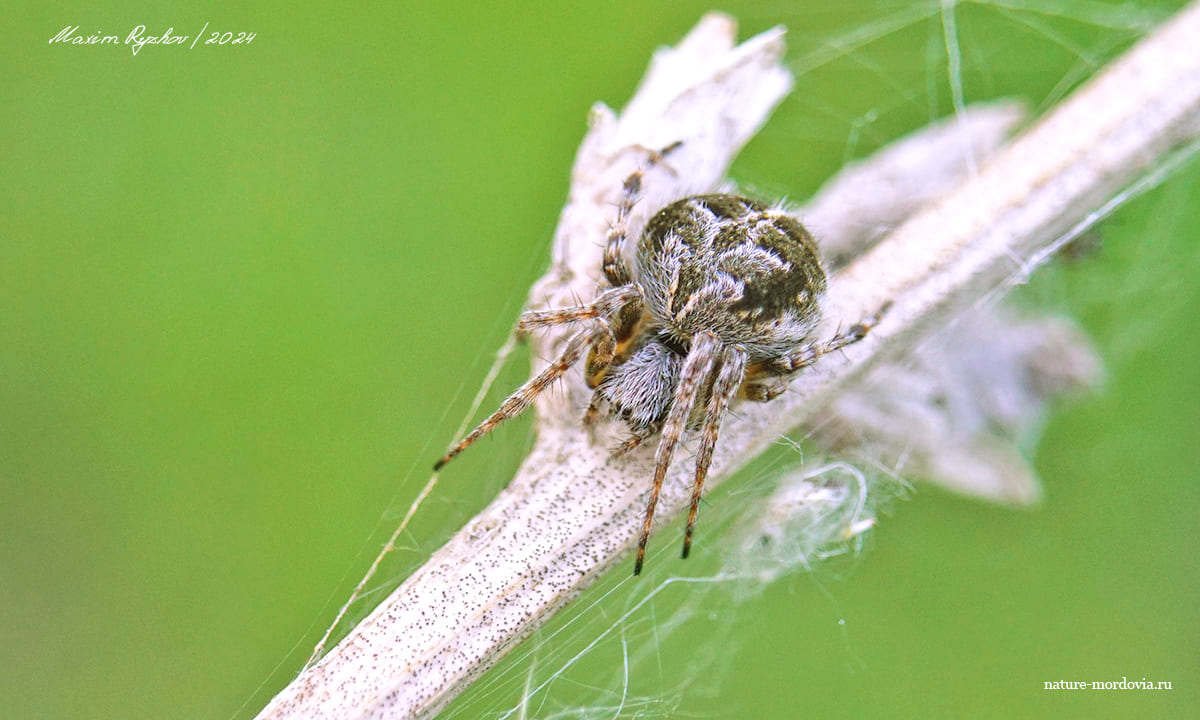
x,y
572,510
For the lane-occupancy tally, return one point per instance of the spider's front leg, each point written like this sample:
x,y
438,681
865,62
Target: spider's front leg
x,y
705,351
613,307
616,269
729,377
608,304
516,403
636,438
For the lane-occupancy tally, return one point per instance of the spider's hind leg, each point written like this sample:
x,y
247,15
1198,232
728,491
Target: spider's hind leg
x,y
763,378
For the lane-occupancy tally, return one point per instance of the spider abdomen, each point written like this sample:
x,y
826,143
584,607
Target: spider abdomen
x,y
733,267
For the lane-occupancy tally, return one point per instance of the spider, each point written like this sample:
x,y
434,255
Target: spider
x,y
720,303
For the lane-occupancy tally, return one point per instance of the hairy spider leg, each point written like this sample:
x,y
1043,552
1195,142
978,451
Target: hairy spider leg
x,y
516,403
729,378
635,439
616,270
607,304
696,369
759,375
592,413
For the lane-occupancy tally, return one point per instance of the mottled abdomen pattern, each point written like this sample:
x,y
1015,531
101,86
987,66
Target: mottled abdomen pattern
x,y
733,267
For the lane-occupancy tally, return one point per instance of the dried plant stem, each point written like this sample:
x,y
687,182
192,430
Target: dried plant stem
x,y
572,510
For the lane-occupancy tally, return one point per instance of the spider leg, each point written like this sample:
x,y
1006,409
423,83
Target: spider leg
x,y
635,439
592,413
514,404
609,303
804,356
615,268
696,368
729,379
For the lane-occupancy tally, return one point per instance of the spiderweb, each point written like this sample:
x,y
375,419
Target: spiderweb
x,y
716,636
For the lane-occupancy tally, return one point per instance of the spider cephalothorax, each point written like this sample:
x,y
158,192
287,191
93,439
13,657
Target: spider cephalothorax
x,y
720,302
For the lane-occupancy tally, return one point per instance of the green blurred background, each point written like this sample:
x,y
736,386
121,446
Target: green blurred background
x,y
246,290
